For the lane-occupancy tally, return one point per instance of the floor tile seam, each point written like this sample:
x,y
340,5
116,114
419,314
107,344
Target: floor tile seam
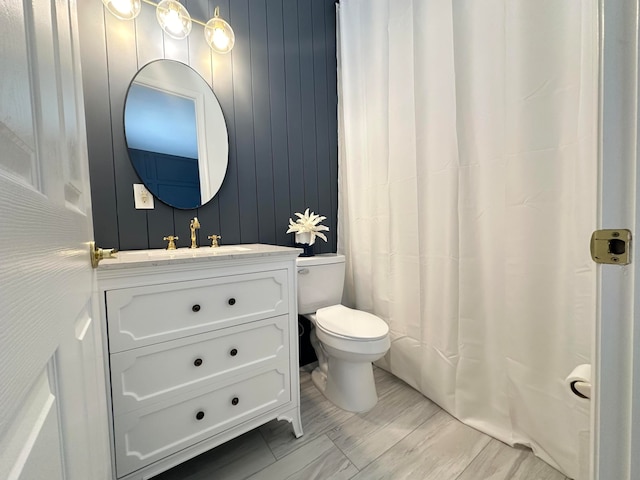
x,y
401,385
307,464
307,441
390,422
261,470
345,456
394,444
310,439
402,397
295,449
378,428
255,473
519,461
332,427
264,439
393,388
294,474
473,460
276,458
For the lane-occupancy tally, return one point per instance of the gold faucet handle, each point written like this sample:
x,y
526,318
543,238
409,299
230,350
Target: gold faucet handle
x,y
214,240
171,239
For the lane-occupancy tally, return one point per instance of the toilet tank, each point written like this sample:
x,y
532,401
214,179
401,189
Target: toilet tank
x,y
320,281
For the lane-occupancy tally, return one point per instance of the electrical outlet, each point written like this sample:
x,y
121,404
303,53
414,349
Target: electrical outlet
x,y
142,197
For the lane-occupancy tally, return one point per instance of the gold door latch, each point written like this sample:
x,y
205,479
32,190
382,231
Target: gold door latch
x,y
98,254
612,246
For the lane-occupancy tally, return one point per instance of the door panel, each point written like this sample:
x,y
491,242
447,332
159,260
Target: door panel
x,y
75,360
17,135
47,282
32,449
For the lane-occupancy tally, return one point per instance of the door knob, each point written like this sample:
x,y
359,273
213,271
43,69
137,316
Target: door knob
x,y
98,254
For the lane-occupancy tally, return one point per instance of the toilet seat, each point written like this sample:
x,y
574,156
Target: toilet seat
x,y
349,324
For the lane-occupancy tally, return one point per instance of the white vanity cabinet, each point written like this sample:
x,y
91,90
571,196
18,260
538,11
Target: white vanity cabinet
x,y
202,347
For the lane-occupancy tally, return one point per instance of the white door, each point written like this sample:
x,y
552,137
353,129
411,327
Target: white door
x,y
616,401
52,399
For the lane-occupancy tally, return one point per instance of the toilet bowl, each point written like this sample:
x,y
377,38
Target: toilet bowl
x,y
345,340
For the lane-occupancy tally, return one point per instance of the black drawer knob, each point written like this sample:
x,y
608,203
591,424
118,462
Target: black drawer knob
x,y
233,352
196,308
235,401
200,415
197,362
232,301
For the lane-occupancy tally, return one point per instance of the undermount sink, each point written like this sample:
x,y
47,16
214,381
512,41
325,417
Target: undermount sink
x,y
158,254
196,252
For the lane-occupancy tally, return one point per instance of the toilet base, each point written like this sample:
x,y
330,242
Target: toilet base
x,y
349,385
319,379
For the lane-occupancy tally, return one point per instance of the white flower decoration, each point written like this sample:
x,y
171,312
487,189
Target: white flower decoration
x,y
308,223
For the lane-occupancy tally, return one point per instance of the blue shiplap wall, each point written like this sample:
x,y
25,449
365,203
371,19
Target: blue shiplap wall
x,y
278,93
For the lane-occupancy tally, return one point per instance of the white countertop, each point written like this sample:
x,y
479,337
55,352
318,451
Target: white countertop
x,y
143,258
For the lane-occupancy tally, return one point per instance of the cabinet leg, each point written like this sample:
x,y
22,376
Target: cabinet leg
x,y
293,417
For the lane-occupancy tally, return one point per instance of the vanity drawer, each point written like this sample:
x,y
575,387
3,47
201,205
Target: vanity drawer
x,y
157,313
149,434
149,374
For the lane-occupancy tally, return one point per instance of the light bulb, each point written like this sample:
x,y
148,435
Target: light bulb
x,y
220,39
122,6
174,19
219,34
123,9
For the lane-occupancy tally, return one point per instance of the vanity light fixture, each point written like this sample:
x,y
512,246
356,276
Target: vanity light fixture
x,y
175,20
123,9
219,34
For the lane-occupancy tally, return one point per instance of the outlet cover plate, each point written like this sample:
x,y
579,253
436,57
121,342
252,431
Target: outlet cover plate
x,y
142,197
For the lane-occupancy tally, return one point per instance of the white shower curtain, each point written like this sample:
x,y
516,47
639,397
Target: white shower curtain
x,y
468,193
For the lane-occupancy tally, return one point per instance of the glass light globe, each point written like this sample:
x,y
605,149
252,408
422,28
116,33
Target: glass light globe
x,y
219,34
123,9
174,19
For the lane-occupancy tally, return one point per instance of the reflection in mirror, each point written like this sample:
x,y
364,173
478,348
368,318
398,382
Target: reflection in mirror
x,y
176,134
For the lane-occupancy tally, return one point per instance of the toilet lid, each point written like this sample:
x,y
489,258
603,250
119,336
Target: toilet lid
x,y
353,324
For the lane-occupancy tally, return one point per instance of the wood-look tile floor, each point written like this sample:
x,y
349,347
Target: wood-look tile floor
x,y
405,436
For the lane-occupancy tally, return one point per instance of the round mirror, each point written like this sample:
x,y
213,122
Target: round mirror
x,y
176,134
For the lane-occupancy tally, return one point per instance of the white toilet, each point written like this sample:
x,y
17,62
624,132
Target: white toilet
x,y
346,341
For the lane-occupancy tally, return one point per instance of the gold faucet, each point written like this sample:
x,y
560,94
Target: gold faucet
x,y
214,240
193,225
171,239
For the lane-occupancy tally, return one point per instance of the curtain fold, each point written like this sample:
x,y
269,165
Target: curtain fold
x,y
467,196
